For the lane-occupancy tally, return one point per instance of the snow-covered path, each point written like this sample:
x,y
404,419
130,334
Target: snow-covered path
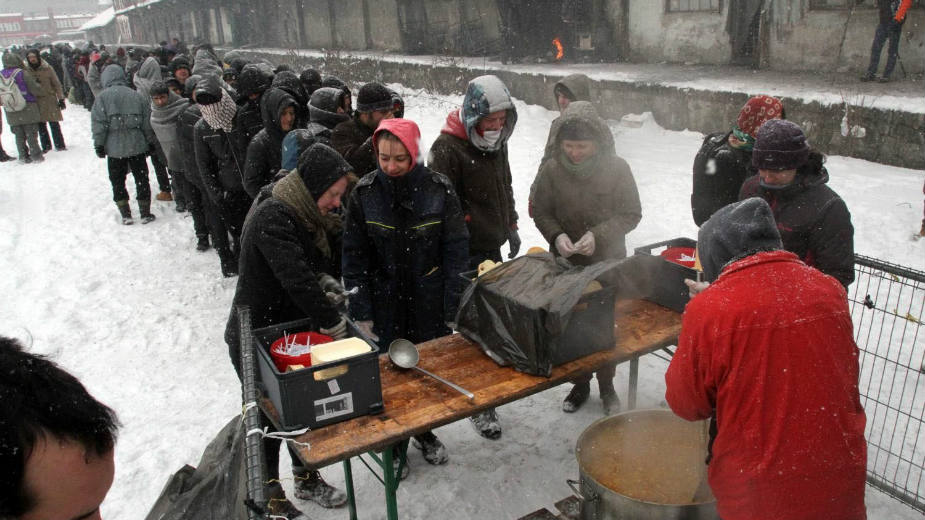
x,y
137,314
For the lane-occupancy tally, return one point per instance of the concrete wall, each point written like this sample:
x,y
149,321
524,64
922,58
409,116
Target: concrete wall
x,y
838,39
384,29
317,29
349,29
655,35
892,136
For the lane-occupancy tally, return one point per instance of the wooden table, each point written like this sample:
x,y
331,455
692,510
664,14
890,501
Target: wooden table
x,y
415,403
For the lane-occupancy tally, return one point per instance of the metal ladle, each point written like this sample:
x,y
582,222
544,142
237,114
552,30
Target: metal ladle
x,y
405,354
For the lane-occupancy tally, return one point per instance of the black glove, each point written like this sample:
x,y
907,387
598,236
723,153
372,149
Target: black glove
x,y
100,152
895,24
61,104
152,150
514,242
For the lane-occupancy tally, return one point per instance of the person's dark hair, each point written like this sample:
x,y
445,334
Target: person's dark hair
x,y
38,399
282,68
386,135
158,88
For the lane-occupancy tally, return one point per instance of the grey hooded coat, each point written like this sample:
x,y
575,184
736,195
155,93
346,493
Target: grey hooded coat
x,y
121,118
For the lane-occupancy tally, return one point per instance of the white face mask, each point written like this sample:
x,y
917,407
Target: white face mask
x,y
491,136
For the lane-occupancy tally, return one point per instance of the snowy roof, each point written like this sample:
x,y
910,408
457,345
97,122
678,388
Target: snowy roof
x,y
101,20
142,3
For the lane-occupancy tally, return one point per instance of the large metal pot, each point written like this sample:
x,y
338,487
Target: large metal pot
x,y
644,465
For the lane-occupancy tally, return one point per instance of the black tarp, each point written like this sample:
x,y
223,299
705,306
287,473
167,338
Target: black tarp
x,y
533,313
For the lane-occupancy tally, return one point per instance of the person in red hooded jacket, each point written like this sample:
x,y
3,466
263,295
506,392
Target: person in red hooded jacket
x,y
766,351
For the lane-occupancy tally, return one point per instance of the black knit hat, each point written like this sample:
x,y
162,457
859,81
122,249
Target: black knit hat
x,y
780,145
320,167
374,96
735,231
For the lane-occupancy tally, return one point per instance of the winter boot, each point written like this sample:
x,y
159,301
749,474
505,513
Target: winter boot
x,y
164,196
4,157
228,261
433,450
202,243
610,400
280,506
576,397
487,424
144,209
310,486
126,211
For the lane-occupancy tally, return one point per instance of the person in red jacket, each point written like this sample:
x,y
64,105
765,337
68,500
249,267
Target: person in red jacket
x,y
766,351
892,16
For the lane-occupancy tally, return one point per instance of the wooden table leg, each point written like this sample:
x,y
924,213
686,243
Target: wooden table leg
x,y
348,484
634,381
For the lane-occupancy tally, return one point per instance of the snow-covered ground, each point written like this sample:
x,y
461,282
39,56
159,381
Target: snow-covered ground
x,y
137,314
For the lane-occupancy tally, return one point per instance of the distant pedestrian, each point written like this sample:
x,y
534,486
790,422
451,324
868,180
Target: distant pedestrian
x,y
121,125
892,16
50,99
17,95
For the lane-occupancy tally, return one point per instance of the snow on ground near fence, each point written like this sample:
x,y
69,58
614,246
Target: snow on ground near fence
x,y
138,315
808,86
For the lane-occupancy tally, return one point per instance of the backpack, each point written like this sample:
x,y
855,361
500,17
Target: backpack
x,y
10,96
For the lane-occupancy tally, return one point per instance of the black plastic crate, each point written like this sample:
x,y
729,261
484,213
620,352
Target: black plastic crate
x,y
668,289
318,395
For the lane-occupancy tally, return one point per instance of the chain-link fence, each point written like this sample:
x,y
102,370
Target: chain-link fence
x,y
888,308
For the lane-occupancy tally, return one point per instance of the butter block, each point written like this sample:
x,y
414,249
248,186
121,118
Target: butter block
x,y
335,350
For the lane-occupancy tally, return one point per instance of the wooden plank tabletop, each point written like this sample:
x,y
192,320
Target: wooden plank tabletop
x,y
415,403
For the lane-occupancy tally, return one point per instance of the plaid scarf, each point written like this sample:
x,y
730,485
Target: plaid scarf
x,y
220,115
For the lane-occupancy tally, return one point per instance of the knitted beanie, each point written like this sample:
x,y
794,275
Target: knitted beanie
x,y
374,96
780,145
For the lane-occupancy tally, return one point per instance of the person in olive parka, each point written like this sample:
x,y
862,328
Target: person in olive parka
x,y
405,243
586,202
264,153
291,238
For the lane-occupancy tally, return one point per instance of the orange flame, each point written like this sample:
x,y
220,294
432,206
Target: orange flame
x,y
560,51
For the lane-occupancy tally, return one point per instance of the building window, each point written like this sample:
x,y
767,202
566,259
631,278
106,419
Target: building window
x,y
687,6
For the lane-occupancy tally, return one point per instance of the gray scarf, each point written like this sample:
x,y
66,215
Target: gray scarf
x,y
291,191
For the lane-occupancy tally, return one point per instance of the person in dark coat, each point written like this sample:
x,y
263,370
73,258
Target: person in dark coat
x,y
311,80
813,221
121,125
254,80
220,155
892,17
405,243
291,238
585,203
353,138
725,158
767,352
335,82
289,81
472,152
326,111
264,153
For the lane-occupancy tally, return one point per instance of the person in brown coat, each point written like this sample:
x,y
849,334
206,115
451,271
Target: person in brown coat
x,y
585,203
50,99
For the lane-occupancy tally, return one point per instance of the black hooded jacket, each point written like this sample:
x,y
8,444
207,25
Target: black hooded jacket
x,y
219,154
322,110
186,140
265,151
813,221
354,140
255,78
280,263
289,81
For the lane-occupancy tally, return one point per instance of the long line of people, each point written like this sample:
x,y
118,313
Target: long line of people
x,y
288,182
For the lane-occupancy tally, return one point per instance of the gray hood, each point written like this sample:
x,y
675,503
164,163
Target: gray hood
x,y
734,232
113,75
